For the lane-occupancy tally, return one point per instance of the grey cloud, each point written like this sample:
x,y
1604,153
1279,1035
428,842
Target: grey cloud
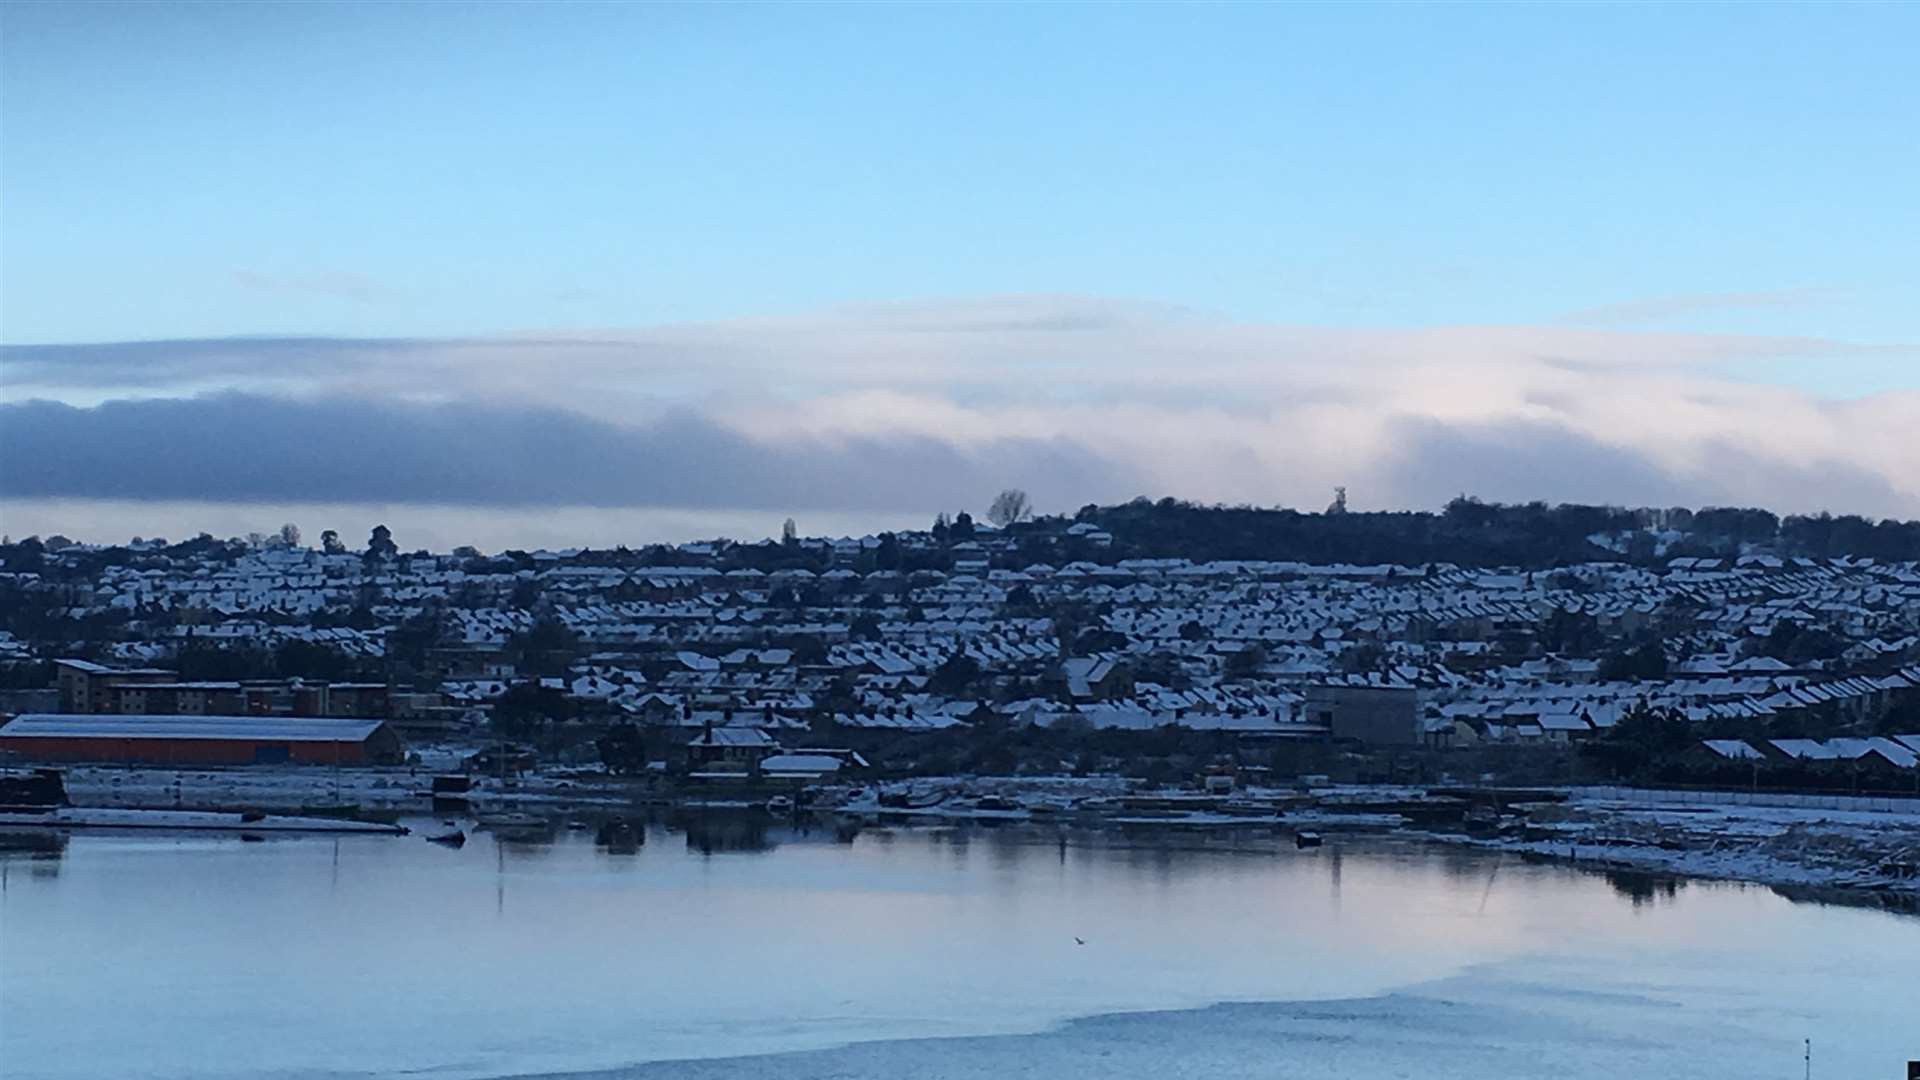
x,y
1739,478
1522,460
245,448
310,362
171,362
1517,461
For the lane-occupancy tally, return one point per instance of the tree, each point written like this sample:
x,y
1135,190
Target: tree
x,y
1564,631
330,543
942,528
546,648
1246,663
290,535
624,749
789,533
955,675
1646,662
380,544
962,526
1642,737
1010,507
525,708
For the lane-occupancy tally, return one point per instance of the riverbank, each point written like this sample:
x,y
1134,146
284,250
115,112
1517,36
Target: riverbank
x,y
77,817
1862,853
1859,853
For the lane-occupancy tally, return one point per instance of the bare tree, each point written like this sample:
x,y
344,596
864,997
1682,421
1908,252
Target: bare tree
x,y
1009,507
290,535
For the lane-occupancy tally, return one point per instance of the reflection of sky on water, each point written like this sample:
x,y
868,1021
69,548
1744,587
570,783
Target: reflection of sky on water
x,y
731,935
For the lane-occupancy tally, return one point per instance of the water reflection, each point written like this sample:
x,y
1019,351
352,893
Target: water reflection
x,y
33,843
39,851
1643,888
716,834
391,954
618,836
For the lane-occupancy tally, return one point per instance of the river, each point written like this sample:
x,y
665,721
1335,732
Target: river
x,y
732,948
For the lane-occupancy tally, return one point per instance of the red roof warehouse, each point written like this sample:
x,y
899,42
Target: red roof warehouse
x,y
201,740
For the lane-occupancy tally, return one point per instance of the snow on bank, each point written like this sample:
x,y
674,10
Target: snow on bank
x,y
1768,845
73,817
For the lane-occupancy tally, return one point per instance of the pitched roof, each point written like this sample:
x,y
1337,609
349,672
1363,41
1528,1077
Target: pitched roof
x,y
274,728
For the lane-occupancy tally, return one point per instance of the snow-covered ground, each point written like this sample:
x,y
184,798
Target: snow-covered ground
x,y
1839,849
296,786
71,817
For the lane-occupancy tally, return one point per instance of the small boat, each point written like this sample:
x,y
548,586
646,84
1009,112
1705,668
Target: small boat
x,y
454,839
779,804
1306,839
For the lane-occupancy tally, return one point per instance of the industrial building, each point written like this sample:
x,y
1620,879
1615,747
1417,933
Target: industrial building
x,y
87,687
201,740
1373,715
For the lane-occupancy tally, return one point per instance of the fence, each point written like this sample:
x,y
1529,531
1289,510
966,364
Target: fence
x,y
1878,804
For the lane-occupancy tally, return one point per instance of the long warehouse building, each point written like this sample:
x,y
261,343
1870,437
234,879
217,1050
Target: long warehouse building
x,y
201,740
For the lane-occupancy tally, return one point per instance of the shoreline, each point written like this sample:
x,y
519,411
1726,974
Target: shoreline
x,y
1867,858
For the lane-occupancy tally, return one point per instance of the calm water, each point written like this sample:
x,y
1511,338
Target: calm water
x,y
866,955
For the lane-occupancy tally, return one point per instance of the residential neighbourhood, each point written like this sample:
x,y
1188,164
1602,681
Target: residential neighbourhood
x,y
1050,645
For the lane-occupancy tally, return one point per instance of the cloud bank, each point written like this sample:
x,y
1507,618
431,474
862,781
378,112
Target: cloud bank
x,y
924,406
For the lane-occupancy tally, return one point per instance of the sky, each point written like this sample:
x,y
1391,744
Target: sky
x,y
862,262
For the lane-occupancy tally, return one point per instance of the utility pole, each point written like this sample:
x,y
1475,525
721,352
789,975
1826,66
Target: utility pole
x,y
1809,1059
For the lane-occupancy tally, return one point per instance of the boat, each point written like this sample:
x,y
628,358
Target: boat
x,y
1306,839
453,839
914,798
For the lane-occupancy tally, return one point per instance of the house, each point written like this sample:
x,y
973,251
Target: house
x,y
810,765
1733,750
1558,727
729,750
1092,677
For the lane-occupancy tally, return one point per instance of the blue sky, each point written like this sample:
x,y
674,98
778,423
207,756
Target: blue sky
x,y
180,171
1683,173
